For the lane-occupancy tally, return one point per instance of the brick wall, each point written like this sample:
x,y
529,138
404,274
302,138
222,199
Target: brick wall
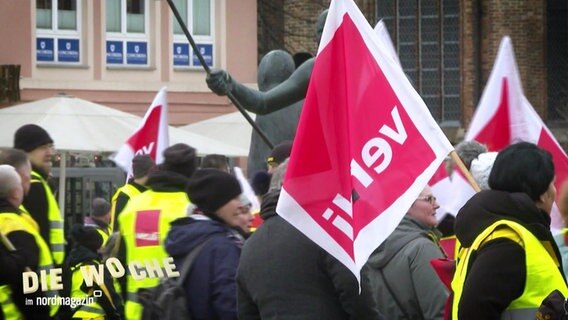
x,y
270,24
290,24
524,22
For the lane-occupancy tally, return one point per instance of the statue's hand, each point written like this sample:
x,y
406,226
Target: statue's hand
x,y
219,81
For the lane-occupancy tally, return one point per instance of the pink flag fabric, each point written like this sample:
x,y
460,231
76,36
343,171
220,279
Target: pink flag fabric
x,y
150,138
505,116
365,147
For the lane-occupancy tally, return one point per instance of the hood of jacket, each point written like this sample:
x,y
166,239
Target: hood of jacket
x,y
166,181
79,254
6,206
268,205
188,232
489,206
407,230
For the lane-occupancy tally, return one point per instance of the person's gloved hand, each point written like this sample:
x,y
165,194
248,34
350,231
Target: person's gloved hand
x,y
219,81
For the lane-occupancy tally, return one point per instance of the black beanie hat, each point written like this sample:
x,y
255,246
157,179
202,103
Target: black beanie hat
x,y
210,189
88,237
180,158
30,136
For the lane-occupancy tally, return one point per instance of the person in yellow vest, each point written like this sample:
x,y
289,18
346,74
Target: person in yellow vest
x,y
102,304
30,248
145,221
100,218
508,261
20,161
40,201
562,237
142,165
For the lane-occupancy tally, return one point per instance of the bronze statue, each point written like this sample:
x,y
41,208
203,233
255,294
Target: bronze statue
x,y
274,68
287,93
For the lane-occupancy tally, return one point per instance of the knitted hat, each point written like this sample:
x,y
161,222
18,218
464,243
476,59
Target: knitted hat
x,y
481,168
210,189
260,182
180,158
30,136
280,152
141,165
86,236
100,207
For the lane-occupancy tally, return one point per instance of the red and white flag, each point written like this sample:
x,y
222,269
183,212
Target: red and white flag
x,y
365,147
386,41
150,138
441,181
505,116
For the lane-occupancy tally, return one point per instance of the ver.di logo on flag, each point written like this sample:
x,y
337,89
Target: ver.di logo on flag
x,y
365,146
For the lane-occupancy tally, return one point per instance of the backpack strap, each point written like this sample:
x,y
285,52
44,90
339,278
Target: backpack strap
x,y
402,243
188,260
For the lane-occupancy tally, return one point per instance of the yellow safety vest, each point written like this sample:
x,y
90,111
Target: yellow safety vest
x,y
144,225
542,265
129,190
28,217
10,222
56,236
86,311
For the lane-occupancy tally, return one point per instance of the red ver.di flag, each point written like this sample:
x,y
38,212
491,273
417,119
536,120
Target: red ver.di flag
x,y
150,138
505,116
365,147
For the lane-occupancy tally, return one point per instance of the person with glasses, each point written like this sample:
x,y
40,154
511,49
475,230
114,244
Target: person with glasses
x,y
398,276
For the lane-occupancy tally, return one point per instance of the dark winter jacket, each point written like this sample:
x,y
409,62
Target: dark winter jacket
x,y
284,275
164,181
36,203
502,260
210,285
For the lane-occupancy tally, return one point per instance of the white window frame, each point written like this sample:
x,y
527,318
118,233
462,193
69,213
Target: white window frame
x,y
124,36
57,34
199,39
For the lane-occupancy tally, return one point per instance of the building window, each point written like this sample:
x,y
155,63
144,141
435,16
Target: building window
x,y
126,36
557,61
426,34
198,16
58,31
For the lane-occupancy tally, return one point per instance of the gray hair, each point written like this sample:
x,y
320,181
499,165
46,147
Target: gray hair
x,y
9,180
14,157
278,175
469,150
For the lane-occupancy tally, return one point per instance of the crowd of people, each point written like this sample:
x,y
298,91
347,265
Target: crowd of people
x,y
504,261
507,260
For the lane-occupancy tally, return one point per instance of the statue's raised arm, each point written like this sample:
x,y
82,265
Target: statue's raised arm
x,y
286,93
